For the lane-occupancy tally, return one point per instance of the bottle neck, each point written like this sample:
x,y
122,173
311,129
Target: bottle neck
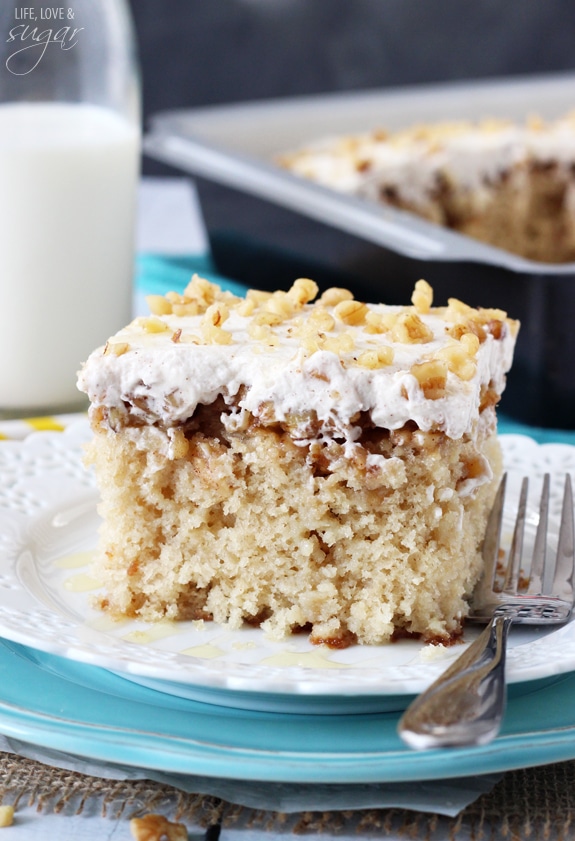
x,y
83,52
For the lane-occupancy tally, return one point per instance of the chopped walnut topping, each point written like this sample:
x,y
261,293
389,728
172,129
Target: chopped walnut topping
x,y
467,326
215,335
312,343
334,295
479,321
151,324
187,308
491,314
158,305
322,320
410,329
344,343
198,295
458,361
351,312
246,307
336,323
216,314
489,397
495,327
281,305
201,290
262,333
432,377
116,348
258,296
422,297
157,828
379,322
377,358
303,291
456,308
470,342
270,318
212,331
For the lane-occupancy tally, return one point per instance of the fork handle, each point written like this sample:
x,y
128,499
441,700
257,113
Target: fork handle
x,y
466,703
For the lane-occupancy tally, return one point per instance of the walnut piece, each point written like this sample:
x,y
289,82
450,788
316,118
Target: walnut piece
x,y
158,304
6,816
157,828
282,305
267,317
334,295
151,324
201,290
212,330
320,319
379,322
303,290
344,343
376,358
422,297
185,308
432,377
116,348
458,361
351,312
410,329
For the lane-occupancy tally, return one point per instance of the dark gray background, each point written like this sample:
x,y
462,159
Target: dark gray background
x,y
199,52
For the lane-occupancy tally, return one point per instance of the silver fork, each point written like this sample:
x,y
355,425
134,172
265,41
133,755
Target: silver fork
x,y
465,705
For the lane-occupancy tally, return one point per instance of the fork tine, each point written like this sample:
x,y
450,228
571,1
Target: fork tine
x,y
516,551
492,537
563,580
540,546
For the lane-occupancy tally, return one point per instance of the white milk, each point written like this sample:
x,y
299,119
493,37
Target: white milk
x,y
68,178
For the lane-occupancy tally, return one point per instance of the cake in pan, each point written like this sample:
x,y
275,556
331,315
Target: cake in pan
x,y
509,185
298,462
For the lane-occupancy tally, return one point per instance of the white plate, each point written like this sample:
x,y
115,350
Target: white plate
x,y
48,530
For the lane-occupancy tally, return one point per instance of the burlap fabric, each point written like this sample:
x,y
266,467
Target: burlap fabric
x,y
534,804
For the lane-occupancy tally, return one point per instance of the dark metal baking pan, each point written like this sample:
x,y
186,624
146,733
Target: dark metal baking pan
x,y
267,226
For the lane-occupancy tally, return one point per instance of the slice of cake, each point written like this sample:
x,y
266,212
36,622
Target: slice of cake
x,y
298,463
510,185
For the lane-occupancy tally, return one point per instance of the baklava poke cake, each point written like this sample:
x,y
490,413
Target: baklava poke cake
x,y
508,184
298,461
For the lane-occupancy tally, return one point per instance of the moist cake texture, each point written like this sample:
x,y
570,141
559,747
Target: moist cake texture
x,y
510,185
298,462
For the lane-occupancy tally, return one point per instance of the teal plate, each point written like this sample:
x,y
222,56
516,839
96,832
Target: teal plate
x,y
88,711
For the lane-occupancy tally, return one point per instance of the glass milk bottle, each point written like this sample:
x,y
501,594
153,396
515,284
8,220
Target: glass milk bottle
x,y
69,165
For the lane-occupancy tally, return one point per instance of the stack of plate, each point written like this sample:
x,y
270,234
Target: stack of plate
x,y
202,699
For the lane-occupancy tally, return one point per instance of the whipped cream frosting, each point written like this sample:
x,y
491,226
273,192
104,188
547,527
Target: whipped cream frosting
x,y
161,377
472,156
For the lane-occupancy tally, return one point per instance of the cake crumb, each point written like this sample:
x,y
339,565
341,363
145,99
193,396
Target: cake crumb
x,y
157,828
6,816
432,652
